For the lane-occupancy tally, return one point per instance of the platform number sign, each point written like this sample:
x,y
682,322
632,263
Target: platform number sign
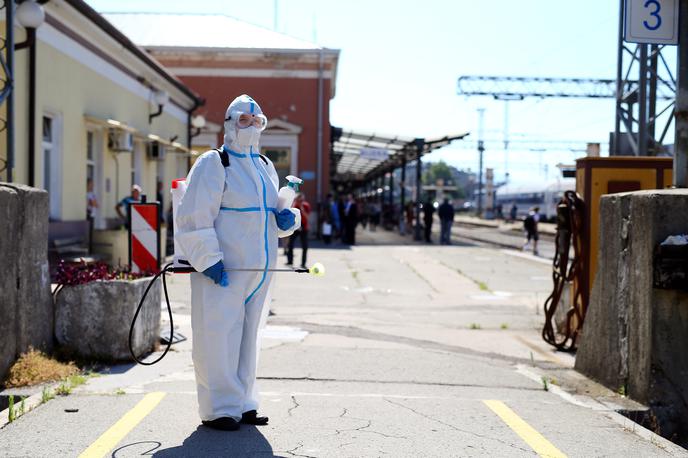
x,y
652,21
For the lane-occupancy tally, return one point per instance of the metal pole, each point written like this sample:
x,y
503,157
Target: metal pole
x,y
642,102
9,49
653,147
615,145
319,149
681,111
32,105
420,143
506,141
391,195
481,149
402,197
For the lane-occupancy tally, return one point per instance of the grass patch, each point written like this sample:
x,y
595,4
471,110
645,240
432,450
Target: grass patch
x,y
65,388
46,395
475,326
120,392
483,286
545,383
11,414
504,326
34,367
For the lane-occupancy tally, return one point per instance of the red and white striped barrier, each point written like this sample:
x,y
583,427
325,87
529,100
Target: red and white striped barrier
x,y
144,238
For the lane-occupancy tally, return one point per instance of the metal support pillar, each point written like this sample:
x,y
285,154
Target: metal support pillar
x,y
402,198
644,79
9,63
642,102
32,106
681,109
420,143
390,201
481,150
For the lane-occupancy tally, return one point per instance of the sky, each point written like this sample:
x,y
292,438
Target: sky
x,y
400,61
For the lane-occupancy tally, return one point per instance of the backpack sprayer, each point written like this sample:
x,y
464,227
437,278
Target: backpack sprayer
x,y
180,265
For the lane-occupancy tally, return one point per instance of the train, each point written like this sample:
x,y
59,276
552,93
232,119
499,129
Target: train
x,y
526,196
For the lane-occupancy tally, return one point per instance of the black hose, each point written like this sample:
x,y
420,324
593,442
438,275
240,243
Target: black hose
x,y
167,268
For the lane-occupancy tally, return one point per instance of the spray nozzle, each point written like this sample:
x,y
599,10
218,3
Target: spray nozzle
x,y
294,182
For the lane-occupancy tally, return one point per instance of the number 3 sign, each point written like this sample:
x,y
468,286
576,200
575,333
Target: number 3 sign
x,y
652,21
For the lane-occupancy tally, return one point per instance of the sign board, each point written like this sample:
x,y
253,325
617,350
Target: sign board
x,y
651,21
375,154
144,237
307,175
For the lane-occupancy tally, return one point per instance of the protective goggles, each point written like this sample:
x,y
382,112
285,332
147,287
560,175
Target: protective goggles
x,y
244,120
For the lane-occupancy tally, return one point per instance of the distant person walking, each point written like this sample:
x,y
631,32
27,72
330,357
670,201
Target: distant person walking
x,y
530,224
428,212
410,210
350,220
335,220
446,213
301,234
513,213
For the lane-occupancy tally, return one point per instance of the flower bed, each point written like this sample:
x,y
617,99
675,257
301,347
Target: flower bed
x,y
94,307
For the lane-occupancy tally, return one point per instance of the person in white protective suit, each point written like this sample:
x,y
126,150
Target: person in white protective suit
x,y
227,220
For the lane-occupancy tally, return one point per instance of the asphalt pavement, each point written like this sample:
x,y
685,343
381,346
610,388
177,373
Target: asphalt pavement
x,y
402,349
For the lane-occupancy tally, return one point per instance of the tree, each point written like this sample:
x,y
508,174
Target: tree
x,y
442,171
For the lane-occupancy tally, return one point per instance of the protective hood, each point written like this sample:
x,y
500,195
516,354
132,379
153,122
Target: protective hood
x,y
236,138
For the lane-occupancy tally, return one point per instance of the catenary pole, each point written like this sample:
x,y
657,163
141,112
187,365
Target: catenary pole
x,y
681,111
481,150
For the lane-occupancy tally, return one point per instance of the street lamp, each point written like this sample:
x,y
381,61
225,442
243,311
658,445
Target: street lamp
x,y
198,123
160,98
30,15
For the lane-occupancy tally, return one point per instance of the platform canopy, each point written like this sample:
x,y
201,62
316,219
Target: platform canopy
x,y
357,156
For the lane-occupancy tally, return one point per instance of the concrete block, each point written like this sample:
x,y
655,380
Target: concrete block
x,y
635,336
9,203
26,309
35,311
93,319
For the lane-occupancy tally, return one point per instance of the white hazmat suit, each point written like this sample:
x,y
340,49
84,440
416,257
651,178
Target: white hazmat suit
x,y
228,214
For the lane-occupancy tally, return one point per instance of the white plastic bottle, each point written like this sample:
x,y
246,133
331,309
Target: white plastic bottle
x,y
286,195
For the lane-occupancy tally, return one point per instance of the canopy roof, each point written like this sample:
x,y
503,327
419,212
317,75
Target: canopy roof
x,y
350,165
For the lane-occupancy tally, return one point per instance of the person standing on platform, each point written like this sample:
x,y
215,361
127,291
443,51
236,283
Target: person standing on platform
x,y
428,213
350,220
302,234
446,213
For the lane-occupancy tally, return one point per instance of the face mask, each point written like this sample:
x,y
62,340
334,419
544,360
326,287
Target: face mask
x,y
248,136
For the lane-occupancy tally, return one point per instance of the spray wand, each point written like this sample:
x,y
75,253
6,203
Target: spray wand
x,y
317,270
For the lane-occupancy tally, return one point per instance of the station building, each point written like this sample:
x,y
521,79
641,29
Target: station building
x,y
221,57
90,104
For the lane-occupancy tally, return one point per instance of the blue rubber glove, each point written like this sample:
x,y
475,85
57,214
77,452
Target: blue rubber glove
x,y
217,274
285,219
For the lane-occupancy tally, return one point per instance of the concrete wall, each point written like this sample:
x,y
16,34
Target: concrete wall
x,y
635,336
26,308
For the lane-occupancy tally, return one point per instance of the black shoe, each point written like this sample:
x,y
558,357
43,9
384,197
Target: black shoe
x,y
251,418
222,423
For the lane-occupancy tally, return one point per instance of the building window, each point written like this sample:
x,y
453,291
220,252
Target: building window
x,y
52,162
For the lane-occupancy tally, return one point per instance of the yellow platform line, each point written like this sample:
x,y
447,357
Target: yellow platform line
x,y
526,432
110,438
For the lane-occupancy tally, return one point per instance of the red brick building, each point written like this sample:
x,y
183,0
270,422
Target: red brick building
x,y
220,57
